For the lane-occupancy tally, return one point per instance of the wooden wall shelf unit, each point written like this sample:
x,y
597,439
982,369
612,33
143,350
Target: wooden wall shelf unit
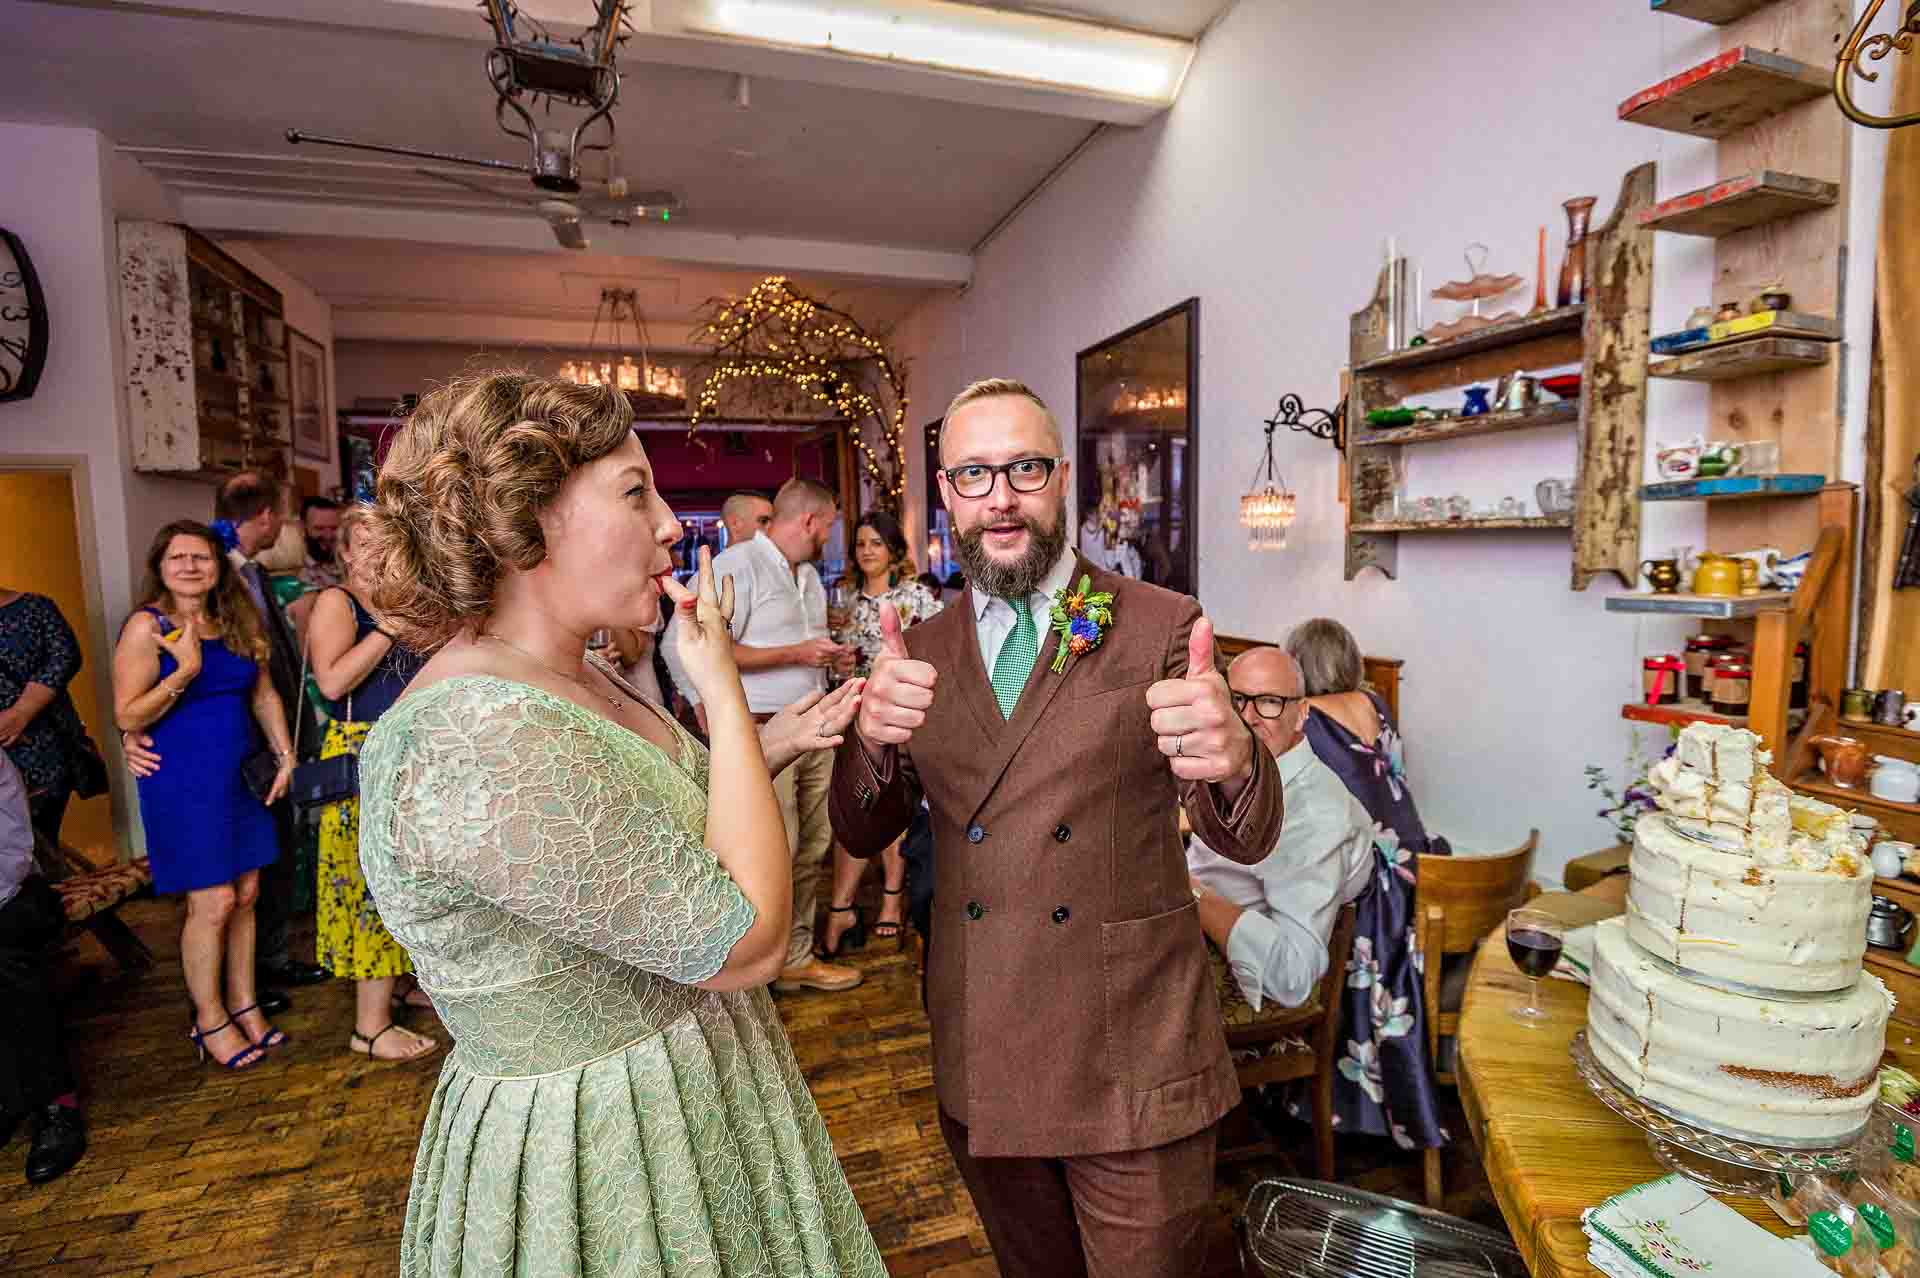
x,y
184,306
1727,93
1711,607
1734,488
1742,359
1717,12
1740,204
1608,339
1801,771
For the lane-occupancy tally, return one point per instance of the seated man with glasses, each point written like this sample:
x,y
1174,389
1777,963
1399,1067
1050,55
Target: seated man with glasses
x,y
1273,919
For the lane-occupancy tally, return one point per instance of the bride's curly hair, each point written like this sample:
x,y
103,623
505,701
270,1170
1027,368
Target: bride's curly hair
x,y
460,494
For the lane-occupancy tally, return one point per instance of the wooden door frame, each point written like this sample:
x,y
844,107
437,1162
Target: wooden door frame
x,y
77,469
848,490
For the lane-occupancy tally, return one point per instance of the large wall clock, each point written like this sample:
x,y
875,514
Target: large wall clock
x,y
23,321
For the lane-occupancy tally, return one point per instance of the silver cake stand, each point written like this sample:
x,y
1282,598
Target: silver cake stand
x,y
1725,1161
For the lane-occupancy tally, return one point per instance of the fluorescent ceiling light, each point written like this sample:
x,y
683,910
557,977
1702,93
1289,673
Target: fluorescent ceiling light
x,y
954,37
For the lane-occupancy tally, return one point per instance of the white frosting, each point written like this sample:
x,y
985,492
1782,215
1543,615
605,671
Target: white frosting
x,y
1770,1068
1748,918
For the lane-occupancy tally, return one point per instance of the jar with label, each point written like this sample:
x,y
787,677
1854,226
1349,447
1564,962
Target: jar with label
x,y
1701,650
1732,687
1660,678
1797,695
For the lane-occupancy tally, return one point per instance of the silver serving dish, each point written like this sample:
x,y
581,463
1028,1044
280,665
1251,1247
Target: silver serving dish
x,y
1311,1229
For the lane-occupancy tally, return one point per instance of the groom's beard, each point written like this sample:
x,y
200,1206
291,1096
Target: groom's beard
x,y
1024,575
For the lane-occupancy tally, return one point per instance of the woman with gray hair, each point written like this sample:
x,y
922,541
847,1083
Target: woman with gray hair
x,y
1385,1084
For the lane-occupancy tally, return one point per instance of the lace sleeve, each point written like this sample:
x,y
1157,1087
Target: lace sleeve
x,y
568,823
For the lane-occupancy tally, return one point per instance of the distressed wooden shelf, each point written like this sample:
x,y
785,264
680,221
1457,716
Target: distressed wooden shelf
x,y
1492,523
1817,785
1748,357
1564,319
1717,12
1565,413
1679,714
1734,487
1725,94
1741,203
1713,607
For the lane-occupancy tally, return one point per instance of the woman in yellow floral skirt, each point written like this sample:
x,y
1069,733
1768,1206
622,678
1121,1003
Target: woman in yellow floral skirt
x,y
362,671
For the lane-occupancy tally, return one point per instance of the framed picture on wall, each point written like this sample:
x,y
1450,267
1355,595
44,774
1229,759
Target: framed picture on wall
x,y
1136,399
310,432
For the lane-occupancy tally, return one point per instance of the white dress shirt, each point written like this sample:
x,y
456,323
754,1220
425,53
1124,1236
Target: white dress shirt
x,y
993,617
1278,948
773,605
17,861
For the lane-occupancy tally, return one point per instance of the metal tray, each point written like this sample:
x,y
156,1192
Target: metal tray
x,y
1312,1229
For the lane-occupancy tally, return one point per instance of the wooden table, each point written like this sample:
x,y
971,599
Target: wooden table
x,y
1551,1149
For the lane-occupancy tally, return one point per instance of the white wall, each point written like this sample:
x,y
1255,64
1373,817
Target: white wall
x,y
1305,135
58,203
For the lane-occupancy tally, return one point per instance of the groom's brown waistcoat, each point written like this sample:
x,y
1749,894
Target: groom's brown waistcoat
x,y
1068,989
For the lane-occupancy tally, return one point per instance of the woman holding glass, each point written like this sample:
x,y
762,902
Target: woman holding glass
x,y
886,580
595,902
190,671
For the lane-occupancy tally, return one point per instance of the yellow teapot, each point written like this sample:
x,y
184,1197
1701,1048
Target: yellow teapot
x,y
1716,574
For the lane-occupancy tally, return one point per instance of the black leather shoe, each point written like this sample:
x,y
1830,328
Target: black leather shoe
x,y
273,1002
292,973
59,1139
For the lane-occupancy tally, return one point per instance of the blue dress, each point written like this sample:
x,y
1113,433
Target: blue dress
x,y
203,825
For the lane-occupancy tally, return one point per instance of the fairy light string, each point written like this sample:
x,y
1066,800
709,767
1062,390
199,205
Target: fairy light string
x,y
777,335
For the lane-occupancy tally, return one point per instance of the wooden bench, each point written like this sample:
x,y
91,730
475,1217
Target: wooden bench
x,y
92,896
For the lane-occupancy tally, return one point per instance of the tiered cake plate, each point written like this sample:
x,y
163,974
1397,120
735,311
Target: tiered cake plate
x,y
1721,1159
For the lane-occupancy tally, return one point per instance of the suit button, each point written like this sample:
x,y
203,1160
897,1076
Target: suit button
x,y
975,909
975,834
1061,913
1062,832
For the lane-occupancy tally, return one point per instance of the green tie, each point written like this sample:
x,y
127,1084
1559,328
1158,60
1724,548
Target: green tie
x,y
1015,662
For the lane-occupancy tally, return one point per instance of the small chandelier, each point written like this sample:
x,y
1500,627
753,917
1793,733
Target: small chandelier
x,y
623,304
1266,511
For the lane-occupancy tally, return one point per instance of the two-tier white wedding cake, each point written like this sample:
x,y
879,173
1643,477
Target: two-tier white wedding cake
x,y
1732,992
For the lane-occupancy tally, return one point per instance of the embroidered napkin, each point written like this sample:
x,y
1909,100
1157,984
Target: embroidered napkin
x,y
1576,956
1672,1228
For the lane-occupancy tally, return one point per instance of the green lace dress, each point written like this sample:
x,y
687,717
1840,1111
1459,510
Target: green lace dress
x,y
598,1115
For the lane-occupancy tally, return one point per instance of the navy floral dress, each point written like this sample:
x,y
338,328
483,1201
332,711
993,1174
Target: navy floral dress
x,y
37,646
1384,1083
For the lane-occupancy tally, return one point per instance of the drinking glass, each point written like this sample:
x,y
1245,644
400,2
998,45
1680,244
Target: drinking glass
x,y
1534,941
840,609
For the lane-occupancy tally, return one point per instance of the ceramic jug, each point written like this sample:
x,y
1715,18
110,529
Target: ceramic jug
x,y
1848,761
1662,574
1716,575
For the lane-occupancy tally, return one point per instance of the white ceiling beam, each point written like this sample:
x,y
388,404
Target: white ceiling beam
x,y
667,42
879,263
453,325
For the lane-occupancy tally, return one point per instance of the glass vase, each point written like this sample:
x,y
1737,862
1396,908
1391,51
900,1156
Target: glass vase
x,y
1573,270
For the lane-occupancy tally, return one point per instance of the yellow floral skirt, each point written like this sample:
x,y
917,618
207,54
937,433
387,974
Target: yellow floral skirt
x,y
352,941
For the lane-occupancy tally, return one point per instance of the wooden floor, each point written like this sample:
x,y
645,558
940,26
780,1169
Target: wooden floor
x,y
301,1166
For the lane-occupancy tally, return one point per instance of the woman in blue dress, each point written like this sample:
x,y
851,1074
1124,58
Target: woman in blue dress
x,y
190,671
1385,1083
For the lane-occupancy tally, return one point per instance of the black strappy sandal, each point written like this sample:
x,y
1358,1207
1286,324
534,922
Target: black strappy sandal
x,y
363,1044
886,929
851,939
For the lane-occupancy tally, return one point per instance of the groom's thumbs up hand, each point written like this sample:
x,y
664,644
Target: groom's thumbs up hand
x,y
898,691
1194,721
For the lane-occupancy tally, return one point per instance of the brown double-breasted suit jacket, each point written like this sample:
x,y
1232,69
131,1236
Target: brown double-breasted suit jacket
x,y
1067,984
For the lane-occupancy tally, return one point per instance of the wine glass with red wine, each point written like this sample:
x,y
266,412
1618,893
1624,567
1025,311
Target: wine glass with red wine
x,y
1534,941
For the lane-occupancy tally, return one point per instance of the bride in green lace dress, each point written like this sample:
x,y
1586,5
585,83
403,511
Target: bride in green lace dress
x,y
594,902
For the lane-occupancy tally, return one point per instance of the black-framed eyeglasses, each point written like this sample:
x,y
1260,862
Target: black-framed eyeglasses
x,y
1025,475
1265,704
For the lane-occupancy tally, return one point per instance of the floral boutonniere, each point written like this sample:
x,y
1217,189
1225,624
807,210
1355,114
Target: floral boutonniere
x,y
1081,619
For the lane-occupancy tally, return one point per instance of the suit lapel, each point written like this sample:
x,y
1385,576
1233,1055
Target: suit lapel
x,y
976,686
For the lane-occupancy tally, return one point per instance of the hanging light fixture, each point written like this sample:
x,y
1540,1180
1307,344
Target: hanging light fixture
x,y
623,304
1861,48
1266,511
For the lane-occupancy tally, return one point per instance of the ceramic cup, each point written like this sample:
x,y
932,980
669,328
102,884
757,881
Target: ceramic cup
x,y
1678,461
1890,708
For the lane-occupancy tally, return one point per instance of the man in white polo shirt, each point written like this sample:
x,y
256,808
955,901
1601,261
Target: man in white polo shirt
x,y
781,645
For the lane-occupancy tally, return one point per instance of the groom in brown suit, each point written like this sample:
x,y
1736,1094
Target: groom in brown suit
x,y
1077,1049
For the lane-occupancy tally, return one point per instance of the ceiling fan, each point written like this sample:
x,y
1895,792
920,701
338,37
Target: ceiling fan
x,y
527,65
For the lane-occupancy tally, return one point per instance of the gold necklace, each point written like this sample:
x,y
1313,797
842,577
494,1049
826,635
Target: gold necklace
x,y
609,698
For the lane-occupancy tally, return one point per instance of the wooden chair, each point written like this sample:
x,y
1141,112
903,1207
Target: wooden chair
x,y
1317,1021
1457,901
